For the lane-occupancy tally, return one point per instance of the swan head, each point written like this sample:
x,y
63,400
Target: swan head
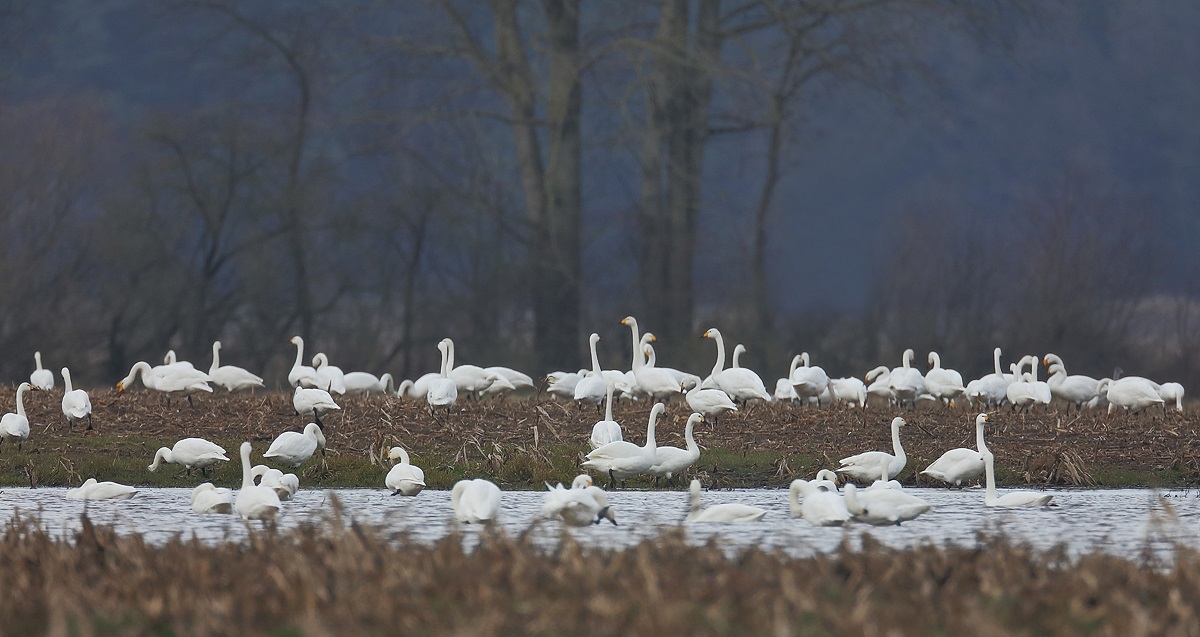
x,y
594,338
898,422
981,420
628,320
216,345
711,332
296,340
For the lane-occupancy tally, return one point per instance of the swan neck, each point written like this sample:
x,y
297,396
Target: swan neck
x,y
989,467
595,356
793,366
906,360
162,455
896,448
37,358
67,380
216,358
299,352
692,447
247,480
608,400
851,496
21,400
996,360
720,365
980,445
794,499
650,442
638,361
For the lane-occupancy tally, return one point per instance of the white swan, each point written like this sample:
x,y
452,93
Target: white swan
x,y
170,361
820,507
302,375
957,465
313,402
942,383
826,480
331,378
849,391
1076,389
292,449
906,382
285,484
729,512
622,459
562,384
403,478
15,427
75,402
592,387
41,378
878,388
865,466
673,461
882,507
231,377
659,384
581,505
741,384
521,384
254,502
1012,498
809,381
711,403
175,379
92,490
1171,393
475,500
1132,393
784,392
192,453
441,390
1026,391
207,498
607,430
357,383
990,390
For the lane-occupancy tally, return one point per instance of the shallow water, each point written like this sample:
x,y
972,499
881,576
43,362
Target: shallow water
x,y
1124,522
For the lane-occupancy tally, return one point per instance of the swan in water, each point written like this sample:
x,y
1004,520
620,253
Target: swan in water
x,y
729,512
942,383
475,500
607,430
582,505
442,391
302,375
192,453
711,403
173,380
826,480
957,465
657,383
15,427
906,382
403,478
1132,393
92,490
231,377
820,507
75,402
207,498
313,402
808,381
285,484
672,461
622,459
882,507
1012,498
1076,389
865,466
292,449
254,502
740,383
41,378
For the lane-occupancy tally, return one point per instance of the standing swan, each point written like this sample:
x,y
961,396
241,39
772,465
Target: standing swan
x,y
960,464
254,502
475,500
313,402
302,375
865,466
16,426
75,402
607,430
292,449
622,459
231,377
41,378
591,388
741,384
441,391
672,461
192,453
729,512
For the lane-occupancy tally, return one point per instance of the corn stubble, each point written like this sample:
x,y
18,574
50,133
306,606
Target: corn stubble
x,y
340,578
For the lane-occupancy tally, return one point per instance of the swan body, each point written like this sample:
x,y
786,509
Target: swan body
x,y
175,379
941,383
75,402
475,500
331,378
357,383
562,384
231,377
192,453
622,459
1077,390
1132,393
581,505
285,485
92,490
820,507
848,391
403,478
731,512
442,391
313,402
882,507
254,502
1172,393
14,427
1012,498
607,430
865,466
809,381
207,498
990,390
879,390
417,389
292,449
711,403
958,465
672,461
41,378
906,381
592,387
741,384
302,375
517,383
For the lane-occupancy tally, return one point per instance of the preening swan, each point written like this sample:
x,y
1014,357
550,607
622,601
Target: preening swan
x,y
820,507
41,378
957,465
14,427
75,402
826,480
882,507
176,379
943,384
849,391
865,466
231,377
622,459
192,453
741,384
292,449
1171,393
285,484
878,388
92,490
331,378
673,461
607,430
207,498
403,478
302,375
1074,390
711,403
441,390
254,502
809,381
313,402
731,512
581,505
906,382
475,500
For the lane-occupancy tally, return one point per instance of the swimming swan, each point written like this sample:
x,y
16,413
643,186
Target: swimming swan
x,y
820,507
581,505
254,502
92,490
207,498
730,512
882,507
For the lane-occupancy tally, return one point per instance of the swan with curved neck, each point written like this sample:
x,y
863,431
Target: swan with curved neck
x,y
302,375
622,459
672,461
820,507
741,384
231,377
403,478
865,466
14,427
192,453
883,507
958,465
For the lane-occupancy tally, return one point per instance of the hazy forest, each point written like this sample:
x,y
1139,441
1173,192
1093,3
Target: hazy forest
x,y
375,175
